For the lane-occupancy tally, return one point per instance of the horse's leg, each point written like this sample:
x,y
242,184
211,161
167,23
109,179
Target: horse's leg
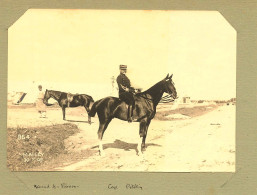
x,y
143,143
63,113
145,134
100,137
89,117
139,147
101,130
142,130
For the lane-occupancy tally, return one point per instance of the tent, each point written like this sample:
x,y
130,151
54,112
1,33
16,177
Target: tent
x,y
16,97
22,97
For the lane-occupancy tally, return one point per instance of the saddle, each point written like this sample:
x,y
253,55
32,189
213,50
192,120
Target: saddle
x,y
69,98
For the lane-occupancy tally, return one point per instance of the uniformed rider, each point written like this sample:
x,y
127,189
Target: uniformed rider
x,y
126,92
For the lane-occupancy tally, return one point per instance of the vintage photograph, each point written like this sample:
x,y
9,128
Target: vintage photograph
x,y
121,90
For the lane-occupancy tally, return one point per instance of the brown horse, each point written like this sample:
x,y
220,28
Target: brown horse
x,y
145,109
69,100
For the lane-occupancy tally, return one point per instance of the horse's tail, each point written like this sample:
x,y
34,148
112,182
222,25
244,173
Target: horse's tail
x,y
93,110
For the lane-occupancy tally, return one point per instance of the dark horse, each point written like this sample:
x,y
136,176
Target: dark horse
x,y
70,100
145,109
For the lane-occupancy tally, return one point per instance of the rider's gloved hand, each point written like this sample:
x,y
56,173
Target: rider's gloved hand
x,y
131,89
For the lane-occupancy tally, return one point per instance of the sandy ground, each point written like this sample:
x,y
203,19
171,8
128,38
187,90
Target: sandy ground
x,y
200,144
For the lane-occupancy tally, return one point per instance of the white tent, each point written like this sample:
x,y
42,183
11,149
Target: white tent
x,y
15,97
27,96
31,94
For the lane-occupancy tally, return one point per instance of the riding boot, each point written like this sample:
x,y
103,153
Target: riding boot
x,y
130,114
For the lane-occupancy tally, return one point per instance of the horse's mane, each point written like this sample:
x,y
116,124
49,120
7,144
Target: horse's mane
x,y
150,89
88,96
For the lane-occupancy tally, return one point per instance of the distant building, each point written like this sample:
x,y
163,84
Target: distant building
x,y
233,99
186,100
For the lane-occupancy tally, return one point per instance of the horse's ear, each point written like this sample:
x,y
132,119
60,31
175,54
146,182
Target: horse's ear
x,y
170,76
167,76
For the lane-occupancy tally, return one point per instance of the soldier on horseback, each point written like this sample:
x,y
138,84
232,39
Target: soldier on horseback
x,y
126,92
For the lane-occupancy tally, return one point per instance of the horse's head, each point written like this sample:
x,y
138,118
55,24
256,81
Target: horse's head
x,y
169,86
91,102
46,97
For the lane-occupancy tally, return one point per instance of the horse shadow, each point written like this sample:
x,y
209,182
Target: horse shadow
x,y
118,144
78,121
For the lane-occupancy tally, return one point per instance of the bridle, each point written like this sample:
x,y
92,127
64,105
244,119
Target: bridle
x,y
167,98
46,98
48,94
166,87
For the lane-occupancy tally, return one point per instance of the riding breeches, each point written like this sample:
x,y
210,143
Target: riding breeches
x,y
129,99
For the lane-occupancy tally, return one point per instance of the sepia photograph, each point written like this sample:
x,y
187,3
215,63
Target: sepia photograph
x,y
121,90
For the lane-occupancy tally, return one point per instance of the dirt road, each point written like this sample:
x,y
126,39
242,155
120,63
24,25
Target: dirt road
x,y
205,144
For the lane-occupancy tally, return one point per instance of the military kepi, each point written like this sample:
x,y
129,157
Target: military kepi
x,y
123,67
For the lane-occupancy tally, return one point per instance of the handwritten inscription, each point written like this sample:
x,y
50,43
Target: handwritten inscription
x,y
134,186
113,187
71,186
42,186
56,186
127,186
64,185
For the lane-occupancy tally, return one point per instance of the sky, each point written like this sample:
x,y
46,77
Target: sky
x,y
80,50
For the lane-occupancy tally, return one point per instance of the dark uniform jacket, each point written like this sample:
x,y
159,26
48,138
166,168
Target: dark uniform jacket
x,y
123,80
